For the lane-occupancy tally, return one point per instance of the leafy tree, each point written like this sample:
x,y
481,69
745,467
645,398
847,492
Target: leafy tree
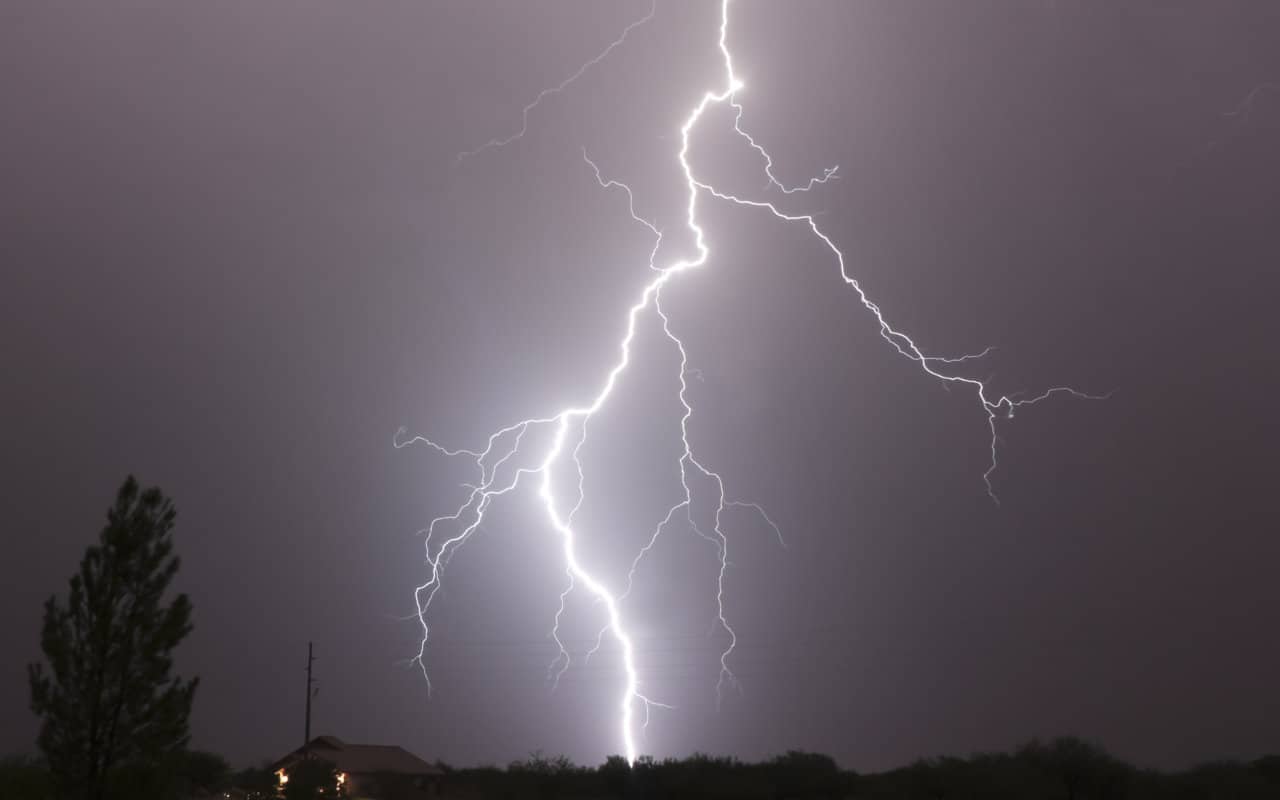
x,y
256,783
802,774
312,778
24,778
616,773
1082,768
202,771
1269,768
107,696
548,775
938,778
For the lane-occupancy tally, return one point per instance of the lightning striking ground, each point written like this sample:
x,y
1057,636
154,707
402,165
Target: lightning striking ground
x,y
496,463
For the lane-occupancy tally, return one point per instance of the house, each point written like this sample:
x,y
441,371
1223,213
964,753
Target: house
x,y
368,771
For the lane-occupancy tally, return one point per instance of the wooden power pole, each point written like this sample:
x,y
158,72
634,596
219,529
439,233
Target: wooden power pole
x,y
310,680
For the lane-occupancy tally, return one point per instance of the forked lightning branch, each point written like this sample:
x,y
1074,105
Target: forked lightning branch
x,y
566,429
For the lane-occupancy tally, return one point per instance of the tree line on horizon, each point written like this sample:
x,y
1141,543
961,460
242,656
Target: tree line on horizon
x,y
114,723
1066,768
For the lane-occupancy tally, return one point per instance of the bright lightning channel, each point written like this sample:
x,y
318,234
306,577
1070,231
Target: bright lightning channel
x,y
569,425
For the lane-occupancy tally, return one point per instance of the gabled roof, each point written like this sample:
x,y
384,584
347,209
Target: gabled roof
x,y
360,758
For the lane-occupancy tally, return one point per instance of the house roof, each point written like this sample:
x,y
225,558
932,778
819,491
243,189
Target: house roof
x,y
360,758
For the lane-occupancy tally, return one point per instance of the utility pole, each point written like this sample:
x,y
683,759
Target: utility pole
x,y
310,680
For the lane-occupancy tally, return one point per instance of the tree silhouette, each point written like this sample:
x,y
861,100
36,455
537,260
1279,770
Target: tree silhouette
x,y
107,696
1082,768
312,778
24,778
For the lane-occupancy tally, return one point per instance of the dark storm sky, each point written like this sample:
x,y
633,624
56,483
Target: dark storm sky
x,y
238,255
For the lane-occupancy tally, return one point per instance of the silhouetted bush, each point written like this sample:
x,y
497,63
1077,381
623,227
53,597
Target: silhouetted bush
x,y
25,778
311,779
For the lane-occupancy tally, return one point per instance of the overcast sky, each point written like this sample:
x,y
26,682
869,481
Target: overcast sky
x,y
238,254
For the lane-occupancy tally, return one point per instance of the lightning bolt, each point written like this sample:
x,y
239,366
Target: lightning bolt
x,y
502,464
558,88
